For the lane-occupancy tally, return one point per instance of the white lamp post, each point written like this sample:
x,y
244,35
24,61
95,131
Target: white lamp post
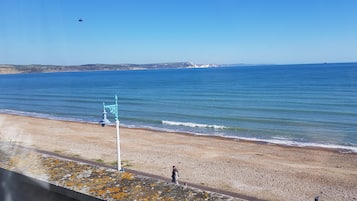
x,y
114,110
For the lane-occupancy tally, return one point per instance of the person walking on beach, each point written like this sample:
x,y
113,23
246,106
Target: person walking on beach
x,y
175,175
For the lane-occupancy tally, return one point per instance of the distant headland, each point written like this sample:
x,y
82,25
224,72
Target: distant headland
x,y
41,68
38,68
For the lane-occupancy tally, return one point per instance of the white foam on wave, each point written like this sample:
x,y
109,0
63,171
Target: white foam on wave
x,y
38,115
288,142
192,125
23,113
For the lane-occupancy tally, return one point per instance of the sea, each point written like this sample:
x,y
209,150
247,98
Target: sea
x,y
295,105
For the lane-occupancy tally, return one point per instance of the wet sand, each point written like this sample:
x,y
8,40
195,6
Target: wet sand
x,y
265,171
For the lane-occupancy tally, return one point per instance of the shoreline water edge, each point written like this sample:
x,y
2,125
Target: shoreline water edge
x,y
262,170
280,142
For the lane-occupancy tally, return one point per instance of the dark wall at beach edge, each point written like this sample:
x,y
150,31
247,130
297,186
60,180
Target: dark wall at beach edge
x,y
37,68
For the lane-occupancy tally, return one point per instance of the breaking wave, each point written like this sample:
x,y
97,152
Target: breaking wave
x,y
192,125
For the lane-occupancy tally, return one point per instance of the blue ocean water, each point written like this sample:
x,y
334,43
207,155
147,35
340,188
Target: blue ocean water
x,y
300,105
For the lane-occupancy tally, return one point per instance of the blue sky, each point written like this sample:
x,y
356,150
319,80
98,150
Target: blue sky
x,y
201,31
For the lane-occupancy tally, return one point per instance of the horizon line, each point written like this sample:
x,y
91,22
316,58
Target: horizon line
x,y
220,64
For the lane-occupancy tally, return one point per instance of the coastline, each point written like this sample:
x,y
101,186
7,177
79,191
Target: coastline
x,y
283,143
248,141
263,170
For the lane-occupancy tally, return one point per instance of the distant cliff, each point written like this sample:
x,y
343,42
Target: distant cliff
x,y
34,68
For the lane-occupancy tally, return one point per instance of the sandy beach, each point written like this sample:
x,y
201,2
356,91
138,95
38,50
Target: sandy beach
x,y
259,170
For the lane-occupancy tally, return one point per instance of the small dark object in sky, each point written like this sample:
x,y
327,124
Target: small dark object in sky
x,y
80,20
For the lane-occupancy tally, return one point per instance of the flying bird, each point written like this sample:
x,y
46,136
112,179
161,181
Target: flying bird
x,y
80,20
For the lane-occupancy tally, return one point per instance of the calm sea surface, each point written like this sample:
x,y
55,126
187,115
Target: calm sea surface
x,y
301,105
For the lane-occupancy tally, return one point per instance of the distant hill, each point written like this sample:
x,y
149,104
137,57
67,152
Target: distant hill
x,y
34,68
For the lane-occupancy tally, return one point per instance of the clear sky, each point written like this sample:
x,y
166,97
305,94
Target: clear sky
x,y
201,31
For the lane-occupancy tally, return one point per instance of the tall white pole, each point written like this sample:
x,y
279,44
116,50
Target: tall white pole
x,y
114,110
118,146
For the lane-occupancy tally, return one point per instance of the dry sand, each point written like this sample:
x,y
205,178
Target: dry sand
x,y
264,171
